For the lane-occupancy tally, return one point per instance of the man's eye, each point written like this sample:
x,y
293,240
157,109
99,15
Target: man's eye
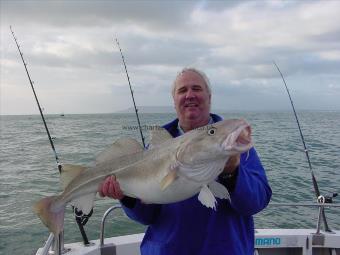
x,y
197,89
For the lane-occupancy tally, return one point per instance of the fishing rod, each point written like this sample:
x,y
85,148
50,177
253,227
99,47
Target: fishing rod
x,y
81,218
36,99
319,197
133,99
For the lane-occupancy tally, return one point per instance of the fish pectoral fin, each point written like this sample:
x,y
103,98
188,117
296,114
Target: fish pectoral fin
x,y
206,197
122,147
69,172
168,179
84,203
219,190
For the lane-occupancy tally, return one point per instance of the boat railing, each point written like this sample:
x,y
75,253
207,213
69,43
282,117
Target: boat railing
x,y
322,203
56,245
102,225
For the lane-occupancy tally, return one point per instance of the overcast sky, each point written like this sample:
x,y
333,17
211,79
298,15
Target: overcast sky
x,y
75,64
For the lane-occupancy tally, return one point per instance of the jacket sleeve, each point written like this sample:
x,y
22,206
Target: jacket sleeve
x,y
252,192
145,214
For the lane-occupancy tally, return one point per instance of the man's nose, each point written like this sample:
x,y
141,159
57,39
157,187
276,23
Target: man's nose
x,y
190,94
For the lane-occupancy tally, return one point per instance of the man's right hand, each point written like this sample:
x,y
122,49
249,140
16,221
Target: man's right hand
x,y
110,188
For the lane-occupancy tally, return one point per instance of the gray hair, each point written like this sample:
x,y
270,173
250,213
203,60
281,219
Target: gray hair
x,y
191,69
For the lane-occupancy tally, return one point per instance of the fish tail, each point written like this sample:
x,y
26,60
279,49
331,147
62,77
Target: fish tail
x,y
50,214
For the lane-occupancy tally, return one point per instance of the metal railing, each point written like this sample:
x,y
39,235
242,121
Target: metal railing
x,y
56,246
321,204
102,225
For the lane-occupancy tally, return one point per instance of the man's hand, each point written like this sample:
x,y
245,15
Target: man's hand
x,y
232,164
110,188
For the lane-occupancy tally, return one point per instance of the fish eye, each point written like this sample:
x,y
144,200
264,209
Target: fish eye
x,y
211,131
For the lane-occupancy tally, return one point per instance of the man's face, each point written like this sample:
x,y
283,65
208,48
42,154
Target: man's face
x,y
192,99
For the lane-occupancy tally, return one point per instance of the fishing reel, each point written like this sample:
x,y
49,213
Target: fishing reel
x,y
326,199
323,201
329,199
81,217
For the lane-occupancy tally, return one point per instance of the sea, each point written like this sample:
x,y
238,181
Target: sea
x,y
28,170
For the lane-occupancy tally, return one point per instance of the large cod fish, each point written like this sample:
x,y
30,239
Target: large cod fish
x,y
171,170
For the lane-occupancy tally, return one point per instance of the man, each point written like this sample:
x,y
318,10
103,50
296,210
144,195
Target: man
x,y
188,227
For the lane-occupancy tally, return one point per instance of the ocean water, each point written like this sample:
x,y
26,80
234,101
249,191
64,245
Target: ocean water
x,y
28,171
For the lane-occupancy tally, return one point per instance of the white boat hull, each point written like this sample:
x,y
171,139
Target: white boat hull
x,y
267,241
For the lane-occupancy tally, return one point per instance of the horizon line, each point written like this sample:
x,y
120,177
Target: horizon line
x,y
141,112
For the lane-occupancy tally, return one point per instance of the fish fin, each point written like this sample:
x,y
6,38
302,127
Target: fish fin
x,y
159,135
122,147
219,190
52,217
168,179
69,172
206,197
84,203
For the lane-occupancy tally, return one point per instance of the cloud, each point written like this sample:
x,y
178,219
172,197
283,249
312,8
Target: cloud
x,y
92,14
70,49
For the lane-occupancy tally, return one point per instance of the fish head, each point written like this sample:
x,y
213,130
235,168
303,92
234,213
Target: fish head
x,y
209,147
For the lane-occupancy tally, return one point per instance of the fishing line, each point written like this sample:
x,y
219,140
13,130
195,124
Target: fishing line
x,y
315,184
81,220
133,99
36,99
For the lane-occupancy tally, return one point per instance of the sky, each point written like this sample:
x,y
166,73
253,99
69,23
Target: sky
x,y
76,66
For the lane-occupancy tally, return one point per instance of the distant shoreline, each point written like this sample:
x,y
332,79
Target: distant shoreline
x,y
64,115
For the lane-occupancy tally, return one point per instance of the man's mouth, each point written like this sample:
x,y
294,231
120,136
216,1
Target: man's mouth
x,y
191,105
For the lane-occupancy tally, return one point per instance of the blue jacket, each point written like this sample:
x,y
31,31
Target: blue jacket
x,y
190,228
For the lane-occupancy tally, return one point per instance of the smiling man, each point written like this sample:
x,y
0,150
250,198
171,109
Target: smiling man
x,y
187,227
192,98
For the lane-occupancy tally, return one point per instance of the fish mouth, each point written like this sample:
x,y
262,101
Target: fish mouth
x,y
239,140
